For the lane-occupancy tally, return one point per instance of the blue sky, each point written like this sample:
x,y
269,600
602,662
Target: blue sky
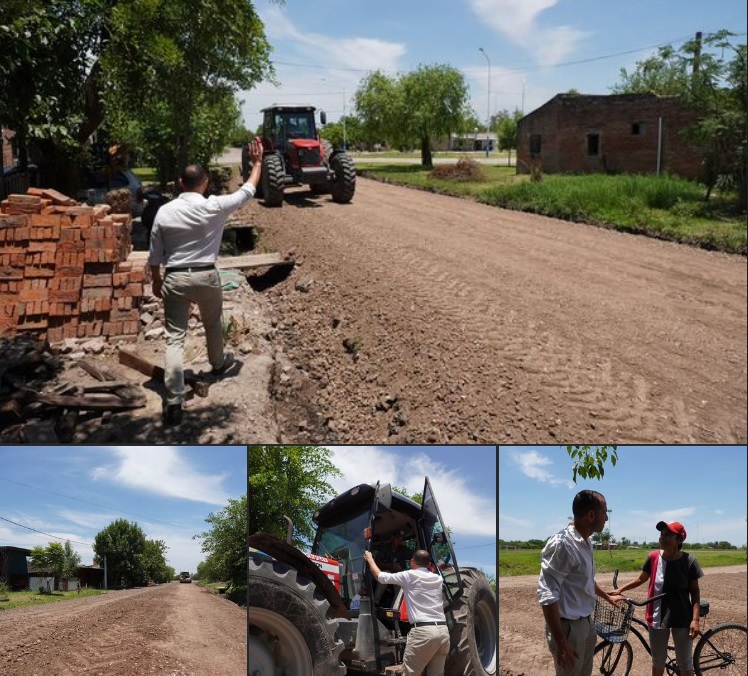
x,y
703,487
323,49
168,491
463,479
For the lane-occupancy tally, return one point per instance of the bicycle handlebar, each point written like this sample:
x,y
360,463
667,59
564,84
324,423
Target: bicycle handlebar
x,y
631,601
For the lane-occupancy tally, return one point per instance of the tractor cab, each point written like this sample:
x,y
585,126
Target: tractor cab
x,y
370,517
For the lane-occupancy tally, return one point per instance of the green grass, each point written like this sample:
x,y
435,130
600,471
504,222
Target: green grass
x,y
21,599
527,561
665,207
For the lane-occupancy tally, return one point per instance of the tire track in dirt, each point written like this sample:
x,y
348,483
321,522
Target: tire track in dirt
x,y
554,330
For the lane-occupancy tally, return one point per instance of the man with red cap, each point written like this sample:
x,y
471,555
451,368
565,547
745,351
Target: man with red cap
x,y
675,573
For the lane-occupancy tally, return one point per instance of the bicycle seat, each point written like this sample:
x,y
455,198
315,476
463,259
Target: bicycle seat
x,y
703,608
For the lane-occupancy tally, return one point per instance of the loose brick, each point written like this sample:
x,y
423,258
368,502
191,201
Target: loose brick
x,y
97,280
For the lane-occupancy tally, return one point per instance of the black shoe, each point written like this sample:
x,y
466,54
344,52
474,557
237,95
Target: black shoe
x,y
228,361
173,414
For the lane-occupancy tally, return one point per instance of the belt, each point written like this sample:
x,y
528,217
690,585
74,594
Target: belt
x,y
427,624
194,268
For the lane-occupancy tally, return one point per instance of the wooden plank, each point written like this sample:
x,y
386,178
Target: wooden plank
x,y
148,368
244,262
101,402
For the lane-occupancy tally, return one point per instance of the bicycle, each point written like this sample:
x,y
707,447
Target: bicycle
x,y
722,647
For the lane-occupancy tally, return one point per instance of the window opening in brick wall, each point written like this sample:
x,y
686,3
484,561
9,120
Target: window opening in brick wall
x,y
593,145
637,129
534,144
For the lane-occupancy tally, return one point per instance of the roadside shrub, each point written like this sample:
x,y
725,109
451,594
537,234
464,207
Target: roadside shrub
x,y
238,595
463,171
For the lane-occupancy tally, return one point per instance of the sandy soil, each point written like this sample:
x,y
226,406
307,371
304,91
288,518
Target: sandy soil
x,y
522,647
415,317
420,318
174,630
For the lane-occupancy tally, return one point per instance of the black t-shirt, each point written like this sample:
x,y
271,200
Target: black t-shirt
x,y
676,608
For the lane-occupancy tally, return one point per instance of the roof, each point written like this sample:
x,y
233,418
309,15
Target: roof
x,y
290,107
23,550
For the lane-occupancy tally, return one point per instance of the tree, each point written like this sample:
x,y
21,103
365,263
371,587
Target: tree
x,y
711,85
124,60
124,545
417,107
505,125
154,561
288,481
226,542
62,559
590,464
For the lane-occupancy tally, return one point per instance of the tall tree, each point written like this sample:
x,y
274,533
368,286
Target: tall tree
x,y
226,542
154,561
417,107
288,481
124,545
709,74
92,59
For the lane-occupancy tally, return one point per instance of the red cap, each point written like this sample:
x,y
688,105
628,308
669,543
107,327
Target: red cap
x,y
673,527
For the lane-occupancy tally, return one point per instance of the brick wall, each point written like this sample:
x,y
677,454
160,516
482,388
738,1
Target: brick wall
x,y
7,134
63,269
625,127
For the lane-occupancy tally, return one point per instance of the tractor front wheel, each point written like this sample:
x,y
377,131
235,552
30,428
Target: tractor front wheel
x,y
343,185
272,180
476,628
289,628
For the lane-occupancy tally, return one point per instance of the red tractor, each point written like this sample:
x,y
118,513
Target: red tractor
x,y
295,155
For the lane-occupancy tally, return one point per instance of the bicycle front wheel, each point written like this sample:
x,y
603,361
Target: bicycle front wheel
x,y
612,659
723,648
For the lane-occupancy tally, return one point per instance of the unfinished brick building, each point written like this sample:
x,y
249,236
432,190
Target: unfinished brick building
x,y
621,133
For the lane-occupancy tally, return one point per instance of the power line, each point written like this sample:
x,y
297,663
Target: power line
x,y
488,544
69,497
56,537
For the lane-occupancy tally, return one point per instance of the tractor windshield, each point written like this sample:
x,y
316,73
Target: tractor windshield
x,y
345,541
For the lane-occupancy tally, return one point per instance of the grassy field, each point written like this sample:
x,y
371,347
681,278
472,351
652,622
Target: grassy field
x,y
21,599
665,207
527,561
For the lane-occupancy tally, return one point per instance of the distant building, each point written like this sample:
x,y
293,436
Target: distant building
x,y
620,133
14,566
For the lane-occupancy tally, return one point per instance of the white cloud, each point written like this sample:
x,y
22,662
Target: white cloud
x,y
518,21
162,470
533,465
463,510
93,520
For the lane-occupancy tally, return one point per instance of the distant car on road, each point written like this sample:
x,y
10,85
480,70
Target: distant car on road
x,y
185,577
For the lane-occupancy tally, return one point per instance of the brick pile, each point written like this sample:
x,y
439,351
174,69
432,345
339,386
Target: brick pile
x,y
64,270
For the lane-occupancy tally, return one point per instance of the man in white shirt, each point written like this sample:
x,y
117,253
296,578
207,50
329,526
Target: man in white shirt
x,y
185,239
428,640
567,589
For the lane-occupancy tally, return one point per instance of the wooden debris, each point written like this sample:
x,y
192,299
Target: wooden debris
x,y
148,368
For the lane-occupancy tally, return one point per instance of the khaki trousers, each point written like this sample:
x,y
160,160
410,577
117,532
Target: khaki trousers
x,y
582,635
426,651
180,290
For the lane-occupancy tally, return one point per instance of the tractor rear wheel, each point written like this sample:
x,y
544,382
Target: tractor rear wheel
x,y
343,185
272,180
289,630
476,628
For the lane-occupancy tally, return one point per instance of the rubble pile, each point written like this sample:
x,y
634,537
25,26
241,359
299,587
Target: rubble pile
x,y
64,270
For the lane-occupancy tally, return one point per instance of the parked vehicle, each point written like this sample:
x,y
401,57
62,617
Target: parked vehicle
x,y
97,184
185,577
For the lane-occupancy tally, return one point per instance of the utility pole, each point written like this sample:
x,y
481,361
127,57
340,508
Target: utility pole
x,y
610,532
488,105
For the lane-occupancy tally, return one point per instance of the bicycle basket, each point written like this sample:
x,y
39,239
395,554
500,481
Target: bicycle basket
x,y
611,623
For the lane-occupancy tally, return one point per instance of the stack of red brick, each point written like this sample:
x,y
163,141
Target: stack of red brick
x,y
64,270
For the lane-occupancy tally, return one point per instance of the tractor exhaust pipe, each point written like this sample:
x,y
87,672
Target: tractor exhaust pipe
x,y
289,531
364,649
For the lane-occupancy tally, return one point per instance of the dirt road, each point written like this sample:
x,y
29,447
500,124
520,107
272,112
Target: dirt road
x,y
173,630
522,648
423,318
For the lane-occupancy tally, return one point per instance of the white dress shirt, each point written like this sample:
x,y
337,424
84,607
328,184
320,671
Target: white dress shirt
x,y
187,231
567,574
423,593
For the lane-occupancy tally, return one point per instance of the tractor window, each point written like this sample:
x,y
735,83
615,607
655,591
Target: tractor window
x,y
345,542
